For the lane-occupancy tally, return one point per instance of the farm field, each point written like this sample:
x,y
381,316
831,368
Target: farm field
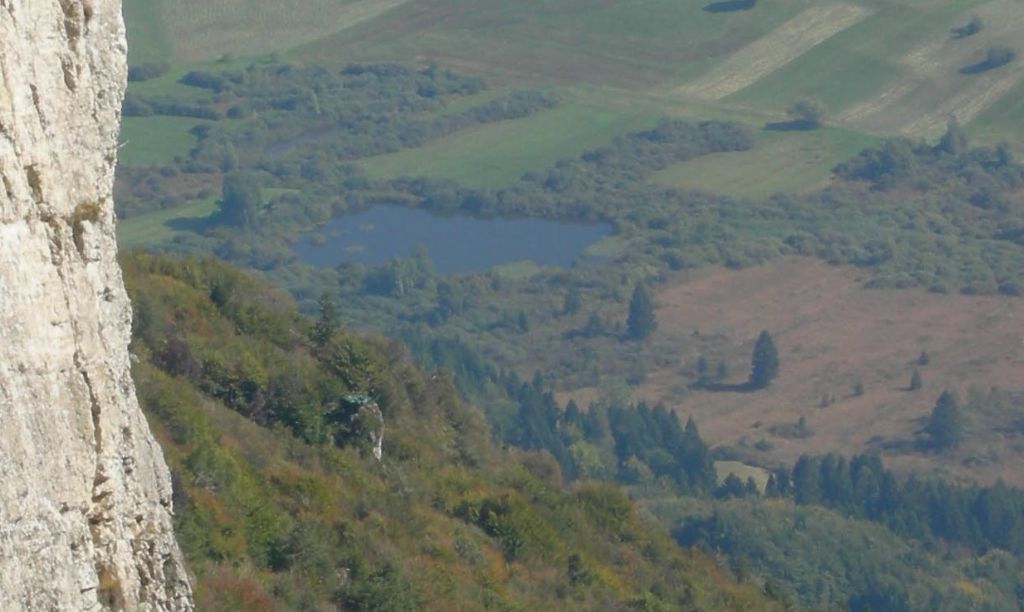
x,y
779,162
188,31
880,67
493,155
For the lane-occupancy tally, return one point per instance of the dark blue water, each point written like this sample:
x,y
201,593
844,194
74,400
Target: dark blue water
x,y
455,244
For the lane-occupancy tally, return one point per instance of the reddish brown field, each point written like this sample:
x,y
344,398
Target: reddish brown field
x,y
832,333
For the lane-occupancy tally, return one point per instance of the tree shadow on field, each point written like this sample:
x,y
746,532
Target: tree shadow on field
x,y
796,125
743,387
977,69
994,58
730,6
190,224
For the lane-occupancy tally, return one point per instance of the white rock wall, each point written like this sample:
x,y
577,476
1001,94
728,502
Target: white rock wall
x,y
85,496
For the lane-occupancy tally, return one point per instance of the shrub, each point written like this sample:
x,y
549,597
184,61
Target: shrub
x,y
145,72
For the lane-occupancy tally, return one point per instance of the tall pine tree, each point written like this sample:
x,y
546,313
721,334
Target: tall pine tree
x,y
696,458
764,365
640,322
945,427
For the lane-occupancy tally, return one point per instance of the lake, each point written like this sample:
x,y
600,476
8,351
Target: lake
x,y
455,244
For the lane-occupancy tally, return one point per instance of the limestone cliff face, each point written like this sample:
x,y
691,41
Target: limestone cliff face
x,y
85,496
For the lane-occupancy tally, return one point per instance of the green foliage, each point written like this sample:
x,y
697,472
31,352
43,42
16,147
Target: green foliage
x,y
806,114
573,301
383,590
246,398
819,559
994,58
328,322
241,201
979,518
147,71
634,444
954,141
764,362
972,27
945,426
640,322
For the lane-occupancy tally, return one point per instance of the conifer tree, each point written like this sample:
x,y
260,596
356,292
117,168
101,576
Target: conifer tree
x,y
328,322
697,461
915,380
640,322
765,362
945,426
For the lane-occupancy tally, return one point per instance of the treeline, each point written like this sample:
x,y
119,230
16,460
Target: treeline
x,y
981,518
144,106
600,184
819,559
633,444
985,176
359,111
287,121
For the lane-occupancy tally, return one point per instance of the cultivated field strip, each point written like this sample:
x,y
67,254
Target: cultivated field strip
x,y
203,30
890,95
931,88
776,49
968,103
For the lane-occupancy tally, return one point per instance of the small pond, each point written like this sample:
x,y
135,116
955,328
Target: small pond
x,y
455,244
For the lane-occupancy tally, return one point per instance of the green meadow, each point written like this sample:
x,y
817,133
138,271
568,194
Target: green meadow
x,y
779,162
493,155
156,227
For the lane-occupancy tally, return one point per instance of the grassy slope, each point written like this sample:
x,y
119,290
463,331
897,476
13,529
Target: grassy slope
x,y
159,139
832,334
156,227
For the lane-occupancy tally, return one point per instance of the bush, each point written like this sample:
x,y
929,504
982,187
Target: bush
x,y
806,114
204,80
971,28
998,56
145,72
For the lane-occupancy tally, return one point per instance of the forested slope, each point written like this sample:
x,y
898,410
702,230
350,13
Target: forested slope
x,y
266,419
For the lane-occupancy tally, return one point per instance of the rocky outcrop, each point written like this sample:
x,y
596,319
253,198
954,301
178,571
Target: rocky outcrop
x,y
85,496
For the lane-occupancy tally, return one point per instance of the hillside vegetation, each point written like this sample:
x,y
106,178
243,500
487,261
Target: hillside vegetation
x,y
280,503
